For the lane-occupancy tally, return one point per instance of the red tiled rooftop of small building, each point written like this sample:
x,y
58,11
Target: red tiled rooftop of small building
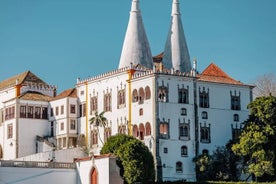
x,y
158,58
95,156
215,74
67,93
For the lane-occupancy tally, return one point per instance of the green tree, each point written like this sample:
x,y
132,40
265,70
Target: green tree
x,y
98,121
257,142
220,166
134,158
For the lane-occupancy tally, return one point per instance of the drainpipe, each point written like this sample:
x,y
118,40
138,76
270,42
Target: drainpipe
x,y
158,161
86,115
129,122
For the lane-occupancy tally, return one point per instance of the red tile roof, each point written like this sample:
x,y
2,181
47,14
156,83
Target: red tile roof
x,y
95,156
214,74
35,96
67,93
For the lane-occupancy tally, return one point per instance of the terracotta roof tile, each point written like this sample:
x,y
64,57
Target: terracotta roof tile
x,y
35,96
158,58
67,93
215,74
95,156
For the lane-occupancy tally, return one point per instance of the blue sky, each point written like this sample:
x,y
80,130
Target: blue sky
x,y
60,40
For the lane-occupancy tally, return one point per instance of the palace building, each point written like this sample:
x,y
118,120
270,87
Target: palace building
x,y
164,101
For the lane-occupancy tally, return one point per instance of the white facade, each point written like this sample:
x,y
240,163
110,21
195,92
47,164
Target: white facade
x,y
176,111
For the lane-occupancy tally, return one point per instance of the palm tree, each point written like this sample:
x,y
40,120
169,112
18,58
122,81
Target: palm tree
x,y
98,121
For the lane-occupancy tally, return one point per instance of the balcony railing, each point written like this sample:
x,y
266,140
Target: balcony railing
x,y
33,164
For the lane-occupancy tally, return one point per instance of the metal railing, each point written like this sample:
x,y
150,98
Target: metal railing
x,y
33,164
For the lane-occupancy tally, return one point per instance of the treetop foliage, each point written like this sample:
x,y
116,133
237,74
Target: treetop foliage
x,y
135,159
257,142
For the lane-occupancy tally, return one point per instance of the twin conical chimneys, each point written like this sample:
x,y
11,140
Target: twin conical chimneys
x,y
136,49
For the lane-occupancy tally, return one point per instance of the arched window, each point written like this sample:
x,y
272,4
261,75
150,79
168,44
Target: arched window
x,y
178,167
204,115
141,112
94,176
148,93
122,129
205,152
94,137
135,95
107,133
135,132
184,151
141,95
141,131
236,117
148,129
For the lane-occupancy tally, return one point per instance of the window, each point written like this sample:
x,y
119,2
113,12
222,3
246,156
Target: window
x,y
203,98
135,131
141,112
164,130
121,98
57,111
107,133
72,124
184,151
30,111
141,131
178,167
9,113
184,129
236,132
135,95
37,112
205,135
107,102
162,94
94,137
183,96
141,96
183,111
52,129
82,110
205,152
64,142
23,113
204,115
235,103
93,104
62,109
72,109
148,93
10,131
52,112
122,129
72,142
44,113
61,126
236,117
148,129
165,150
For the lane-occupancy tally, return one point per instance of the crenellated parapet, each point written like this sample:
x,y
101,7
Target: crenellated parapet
x,y
104,75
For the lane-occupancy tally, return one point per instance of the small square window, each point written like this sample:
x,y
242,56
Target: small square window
x,y
165,150
183,111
